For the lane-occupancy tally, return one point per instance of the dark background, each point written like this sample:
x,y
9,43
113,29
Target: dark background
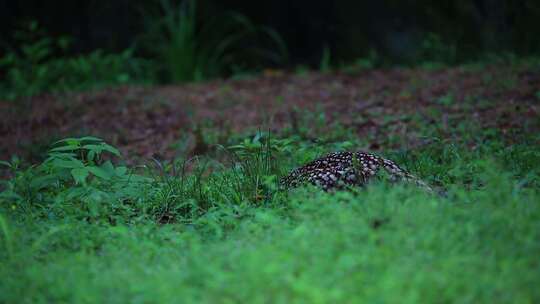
x,y
395,29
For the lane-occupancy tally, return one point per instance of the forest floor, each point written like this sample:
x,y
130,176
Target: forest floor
x,y
377,105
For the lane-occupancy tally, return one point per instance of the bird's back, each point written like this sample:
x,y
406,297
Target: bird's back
x,y
339,169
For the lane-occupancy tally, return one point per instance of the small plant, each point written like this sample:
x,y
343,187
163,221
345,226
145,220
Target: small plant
x,y
76,171
176,196
261,140
83,158
255,166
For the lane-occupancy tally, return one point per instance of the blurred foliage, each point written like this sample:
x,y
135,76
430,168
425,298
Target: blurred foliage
x,y
189,40
33,66
447,31
396,30
190,48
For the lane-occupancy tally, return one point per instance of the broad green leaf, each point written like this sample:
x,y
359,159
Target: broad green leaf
x,y
111,149
41,182
69,164
121,171
80,175
64,148
69,140
93,147
63,155
108,167
99,172
55,155
91,155
90,138
94,200
5,163
75,192
78,141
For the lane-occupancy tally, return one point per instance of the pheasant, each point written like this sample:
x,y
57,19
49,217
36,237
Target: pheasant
x,y
339,169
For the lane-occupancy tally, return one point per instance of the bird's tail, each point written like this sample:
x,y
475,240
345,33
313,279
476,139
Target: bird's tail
x,y
399,174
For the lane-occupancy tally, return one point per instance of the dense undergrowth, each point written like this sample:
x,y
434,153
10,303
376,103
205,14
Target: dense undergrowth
x,y
175,47
40,65
81,227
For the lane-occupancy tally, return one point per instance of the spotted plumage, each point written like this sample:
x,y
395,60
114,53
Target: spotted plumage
x,y
337,170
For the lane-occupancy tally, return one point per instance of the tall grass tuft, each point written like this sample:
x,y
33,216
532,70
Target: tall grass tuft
x,y
189,48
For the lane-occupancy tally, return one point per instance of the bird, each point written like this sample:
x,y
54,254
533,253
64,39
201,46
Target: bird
x,y
339,170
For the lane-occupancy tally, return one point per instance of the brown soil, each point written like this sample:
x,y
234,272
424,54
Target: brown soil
x,y
147,121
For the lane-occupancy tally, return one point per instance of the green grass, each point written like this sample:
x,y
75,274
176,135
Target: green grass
x,y
222,232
